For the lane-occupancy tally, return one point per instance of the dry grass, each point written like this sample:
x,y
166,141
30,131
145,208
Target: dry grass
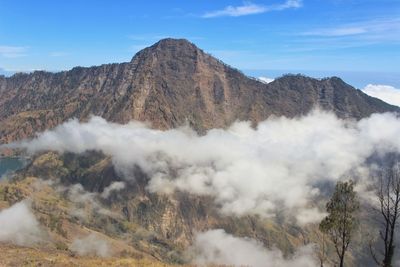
x,y
23,256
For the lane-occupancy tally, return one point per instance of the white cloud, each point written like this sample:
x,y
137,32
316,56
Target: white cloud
x,y
277,167
12,51
113,187
218,247
386,93
19,226
77,194
373,29
342,31
265,79
346,35
246,9
312,215
92,245
249,8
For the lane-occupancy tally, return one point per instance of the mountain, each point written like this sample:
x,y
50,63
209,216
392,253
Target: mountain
x,y
168,84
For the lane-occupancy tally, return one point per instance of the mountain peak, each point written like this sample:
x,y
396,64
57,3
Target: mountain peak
x,y
173,41
169,47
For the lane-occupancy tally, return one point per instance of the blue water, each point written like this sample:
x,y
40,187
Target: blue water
x,y
9,165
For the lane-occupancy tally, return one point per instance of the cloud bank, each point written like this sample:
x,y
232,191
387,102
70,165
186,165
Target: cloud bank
x,y
279,167
249,8
386,93
19,226
218,247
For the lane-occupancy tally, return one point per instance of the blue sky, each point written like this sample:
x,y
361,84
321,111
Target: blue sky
x,y
357,39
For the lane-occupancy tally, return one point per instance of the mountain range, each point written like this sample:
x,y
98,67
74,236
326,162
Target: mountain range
x,y
167,85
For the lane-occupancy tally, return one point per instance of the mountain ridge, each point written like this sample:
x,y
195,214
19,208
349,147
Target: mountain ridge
x,y
168,84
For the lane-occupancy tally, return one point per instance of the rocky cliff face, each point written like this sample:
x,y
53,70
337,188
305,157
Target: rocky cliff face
x,y
168,84
162,226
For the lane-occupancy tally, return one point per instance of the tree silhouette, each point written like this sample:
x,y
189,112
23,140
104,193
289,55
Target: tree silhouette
x,y
388,194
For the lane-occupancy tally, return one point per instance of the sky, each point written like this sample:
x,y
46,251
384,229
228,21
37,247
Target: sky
x,y
358,40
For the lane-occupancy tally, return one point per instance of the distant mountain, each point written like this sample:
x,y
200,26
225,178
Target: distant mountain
x,y
5,72
170,83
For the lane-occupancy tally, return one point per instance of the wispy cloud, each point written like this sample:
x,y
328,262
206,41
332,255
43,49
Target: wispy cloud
x,y
343,31
246,9
376,28
347,35
249,8
93,244
12,51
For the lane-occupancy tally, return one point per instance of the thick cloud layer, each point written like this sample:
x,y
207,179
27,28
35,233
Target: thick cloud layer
x,y
19,226
279,166
386,93
218,247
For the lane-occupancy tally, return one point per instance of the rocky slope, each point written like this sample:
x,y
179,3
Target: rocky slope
x,y
140,227
168,84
